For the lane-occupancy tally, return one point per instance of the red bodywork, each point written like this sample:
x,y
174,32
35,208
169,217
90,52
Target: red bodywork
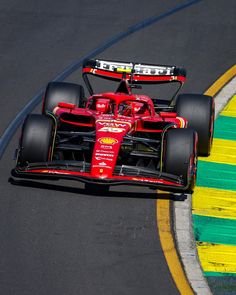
x,y
103,114
111,128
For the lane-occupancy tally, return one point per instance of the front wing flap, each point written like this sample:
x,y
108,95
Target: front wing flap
x,y
125,176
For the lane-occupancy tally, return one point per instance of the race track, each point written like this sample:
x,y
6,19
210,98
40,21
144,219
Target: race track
x,y
56,239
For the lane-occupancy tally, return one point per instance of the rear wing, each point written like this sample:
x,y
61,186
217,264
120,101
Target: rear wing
x,y
133,72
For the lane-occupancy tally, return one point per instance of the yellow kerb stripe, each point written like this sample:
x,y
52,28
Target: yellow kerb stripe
x,y
223,151
217,258
214,203
163,214
230,109
168,247
220,83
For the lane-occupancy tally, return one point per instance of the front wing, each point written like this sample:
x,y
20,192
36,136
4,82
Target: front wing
x,y
161,180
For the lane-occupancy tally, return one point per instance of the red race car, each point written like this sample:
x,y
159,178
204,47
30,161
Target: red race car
x,y
119,137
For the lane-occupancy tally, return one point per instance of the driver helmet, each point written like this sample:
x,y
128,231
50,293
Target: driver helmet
x,y
102,105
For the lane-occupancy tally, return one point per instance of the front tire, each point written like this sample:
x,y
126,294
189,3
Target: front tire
x,y
180,155
36,139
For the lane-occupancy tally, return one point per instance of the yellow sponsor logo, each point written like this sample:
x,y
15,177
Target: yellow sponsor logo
x,y
122,70
108,140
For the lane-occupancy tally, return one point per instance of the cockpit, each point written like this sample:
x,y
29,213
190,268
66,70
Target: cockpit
x,y
126,108
102,105
132,108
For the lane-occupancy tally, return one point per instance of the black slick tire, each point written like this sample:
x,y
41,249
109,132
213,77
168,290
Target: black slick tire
x,y
199,111
36,139
180,155
57,92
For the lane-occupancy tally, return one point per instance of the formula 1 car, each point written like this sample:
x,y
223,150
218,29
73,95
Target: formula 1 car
x,y
119,137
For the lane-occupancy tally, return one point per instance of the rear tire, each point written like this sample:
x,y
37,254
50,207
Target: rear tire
x,y
200,112
36,139
180,155
62,92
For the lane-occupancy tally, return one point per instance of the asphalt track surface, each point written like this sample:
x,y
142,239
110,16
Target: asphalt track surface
x,y
55,239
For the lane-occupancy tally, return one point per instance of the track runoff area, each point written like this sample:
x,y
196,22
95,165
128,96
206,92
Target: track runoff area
x,y
213,206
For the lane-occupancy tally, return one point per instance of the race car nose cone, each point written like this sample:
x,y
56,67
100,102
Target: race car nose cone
x,y
100,172
102,175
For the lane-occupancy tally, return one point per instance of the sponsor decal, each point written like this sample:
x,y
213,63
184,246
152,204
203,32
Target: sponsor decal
x,y
102,151
106,147
114,123
111,124
103,159
108,140
147,180
100,105
112,129
104,155
153,70
140,69
112,66
99,166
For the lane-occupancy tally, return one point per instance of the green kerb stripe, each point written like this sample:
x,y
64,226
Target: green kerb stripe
x,y
218,274
225,128
215,230
215,175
